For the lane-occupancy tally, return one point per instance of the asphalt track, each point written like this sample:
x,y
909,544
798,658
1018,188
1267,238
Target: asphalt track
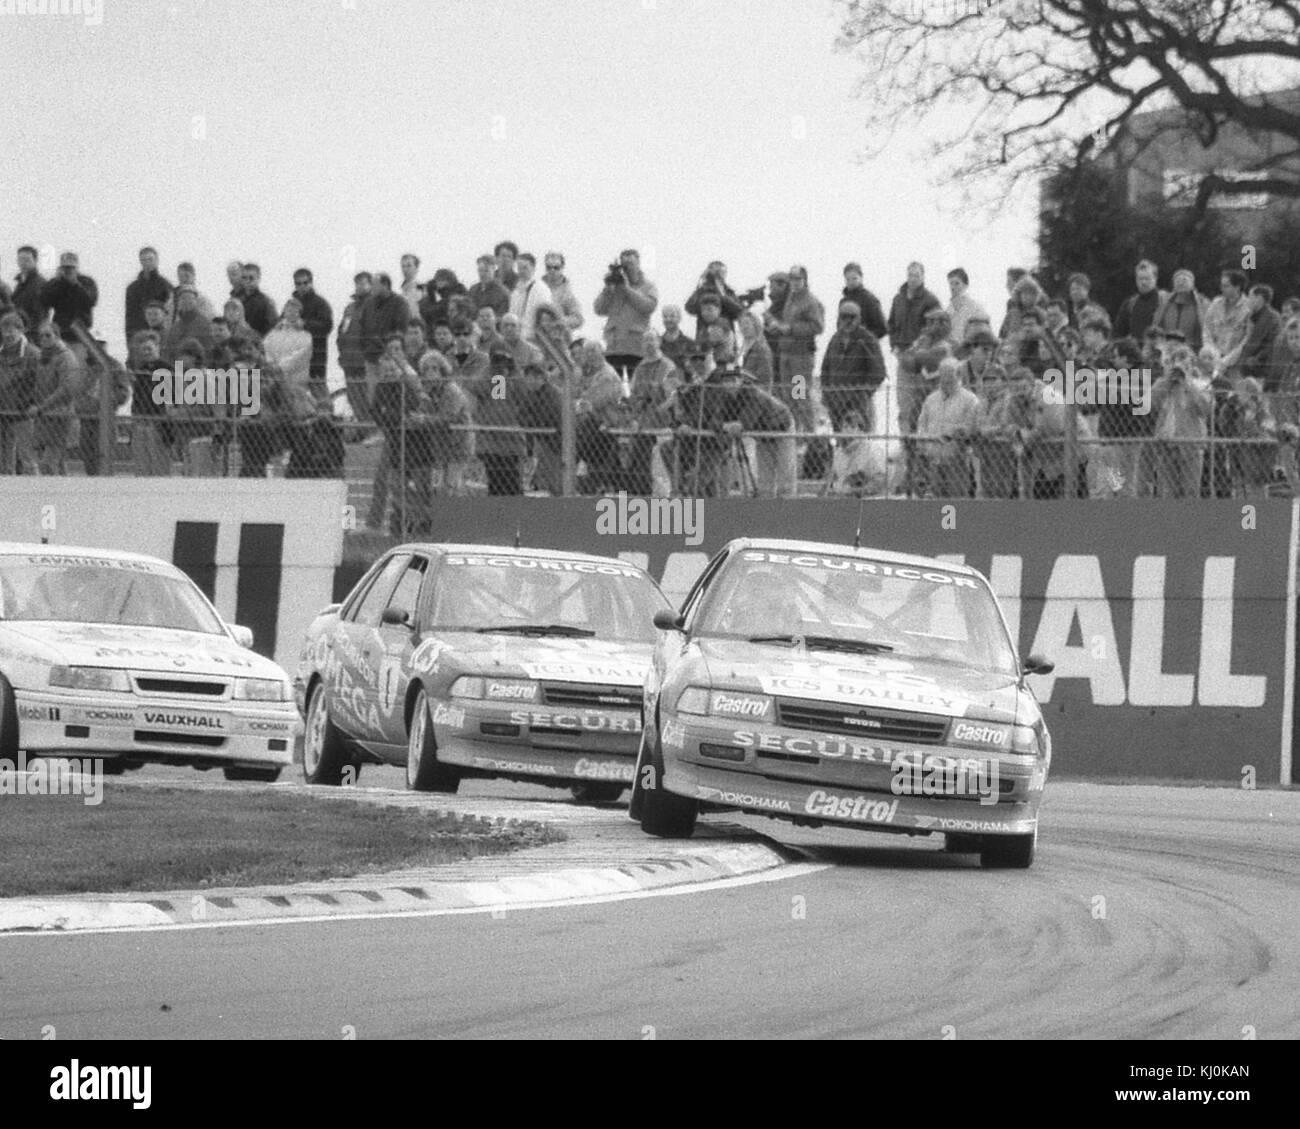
x,y
1151,913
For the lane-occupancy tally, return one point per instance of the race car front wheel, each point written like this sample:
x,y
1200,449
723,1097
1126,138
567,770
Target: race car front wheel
x,y
1009,852
8,722
324,750
662,813
423,771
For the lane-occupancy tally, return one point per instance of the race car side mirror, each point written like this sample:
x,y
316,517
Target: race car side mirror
x,y
397,617
668,620
242,635
1037,664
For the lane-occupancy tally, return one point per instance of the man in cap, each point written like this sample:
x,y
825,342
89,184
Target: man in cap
x,y
852,368
71,297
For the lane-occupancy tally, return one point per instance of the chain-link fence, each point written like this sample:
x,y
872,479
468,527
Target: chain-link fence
x,y
513,436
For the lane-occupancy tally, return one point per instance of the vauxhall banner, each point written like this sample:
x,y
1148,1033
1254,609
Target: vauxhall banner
x,y
1171,624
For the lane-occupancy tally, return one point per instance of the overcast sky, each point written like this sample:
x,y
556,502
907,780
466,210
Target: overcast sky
x,y
337,134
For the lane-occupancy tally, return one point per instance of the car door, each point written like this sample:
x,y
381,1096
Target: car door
x,y
396,640
354,674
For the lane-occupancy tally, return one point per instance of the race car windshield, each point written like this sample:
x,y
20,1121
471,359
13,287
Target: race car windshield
x,y
524,597
854,604
107,593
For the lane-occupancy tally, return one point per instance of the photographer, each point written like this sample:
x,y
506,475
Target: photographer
x,y
741,407
1181,405
714,282
626,302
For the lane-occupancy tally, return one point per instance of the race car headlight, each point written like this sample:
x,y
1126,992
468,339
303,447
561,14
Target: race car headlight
x,y
262,690
89,678
467,686
1024,739
694,699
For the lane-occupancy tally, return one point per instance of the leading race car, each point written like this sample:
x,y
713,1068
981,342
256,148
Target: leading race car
x,y
476,660
827,685
121,655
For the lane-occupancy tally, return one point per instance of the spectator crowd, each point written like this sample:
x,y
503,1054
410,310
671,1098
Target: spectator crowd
x,y
508,382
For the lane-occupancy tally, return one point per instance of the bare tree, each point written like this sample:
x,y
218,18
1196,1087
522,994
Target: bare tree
x,y
1010,89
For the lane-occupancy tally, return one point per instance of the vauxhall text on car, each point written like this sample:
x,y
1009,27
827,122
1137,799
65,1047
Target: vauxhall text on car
x,y
827,685
476,660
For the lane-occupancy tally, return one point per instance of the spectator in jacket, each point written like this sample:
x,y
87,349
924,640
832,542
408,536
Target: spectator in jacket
x,y
57,381
186,275
235,276
917,365
755,355
512,342
713,283
542,406
801,323
383,313
709,314
497,397
529,293
598,396
289,348
397,393
318,320
778,291
241,333
71,297
626,302
488,290
852,369
435,305
1227,321
147,284
1264,325
1183,310
187,325
410,290
506,252
962,307
1181,407
673,343
487,335
1026,295
259,310
907,314
26,295
947,423
744,407
980,369
1245,415
155,316
18,358
1138,310
467,359
352,359
654,382
561,292
1007,414
87,405
151,437
435,447
873,316
1078,287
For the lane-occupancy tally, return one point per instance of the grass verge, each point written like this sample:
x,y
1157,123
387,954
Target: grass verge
x,y
168,838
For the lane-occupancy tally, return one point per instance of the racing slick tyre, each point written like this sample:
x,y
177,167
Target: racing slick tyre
x,y
661,813
1008,852
423,771
8,722
246,772
597,793
324,751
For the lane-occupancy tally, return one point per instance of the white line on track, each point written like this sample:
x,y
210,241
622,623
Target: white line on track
x,y
776,874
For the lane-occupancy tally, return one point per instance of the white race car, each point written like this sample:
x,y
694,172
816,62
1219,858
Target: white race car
x,y
120,655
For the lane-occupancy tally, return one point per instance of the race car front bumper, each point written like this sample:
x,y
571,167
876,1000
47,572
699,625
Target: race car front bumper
x,y
796,775
157,730
560,744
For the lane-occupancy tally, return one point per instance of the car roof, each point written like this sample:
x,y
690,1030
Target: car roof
x,y
866,552
436,547
26,548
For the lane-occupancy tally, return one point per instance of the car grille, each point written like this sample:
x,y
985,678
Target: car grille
x,y
149,737
888,725
591,697
188,687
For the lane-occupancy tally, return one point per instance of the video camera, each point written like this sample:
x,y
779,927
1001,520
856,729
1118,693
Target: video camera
x,y
615,276
749,297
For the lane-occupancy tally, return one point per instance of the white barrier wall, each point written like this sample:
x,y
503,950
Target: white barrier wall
x,y
263,549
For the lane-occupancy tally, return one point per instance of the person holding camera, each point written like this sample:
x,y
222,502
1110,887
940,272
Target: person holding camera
x,y
713,282
1181,406
71,297
626,302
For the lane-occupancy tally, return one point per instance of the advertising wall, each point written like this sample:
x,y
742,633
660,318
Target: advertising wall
x,y
264,552
1171,624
